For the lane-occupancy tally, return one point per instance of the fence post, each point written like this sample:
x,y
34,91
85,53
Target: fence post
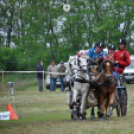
x,y
3,88
43,81
133,99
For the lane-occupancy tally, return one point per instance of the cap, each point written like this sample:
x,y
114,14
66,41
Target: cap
x,y
52,61
122,41
61,62
100,44
111,47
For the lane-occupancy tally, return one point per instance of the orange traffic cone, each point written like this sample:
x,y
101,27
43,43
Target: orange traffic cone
x,y
13,115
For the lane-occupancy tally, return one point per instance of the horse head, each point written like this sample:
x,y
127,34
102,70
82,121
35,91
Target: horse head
x,y
72,65
82,62
94,68
96,60
107,66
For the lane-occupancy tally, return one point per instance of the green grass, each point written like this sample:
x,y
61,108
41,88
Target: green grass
x,y
48,113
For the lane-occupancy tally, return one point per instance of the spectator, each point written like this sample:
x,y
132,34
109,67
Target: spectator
x,y
40,75
62,69
53,77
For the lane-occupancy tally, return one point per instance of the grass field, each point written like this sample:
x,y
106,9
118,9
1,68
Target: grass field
x,y
48,113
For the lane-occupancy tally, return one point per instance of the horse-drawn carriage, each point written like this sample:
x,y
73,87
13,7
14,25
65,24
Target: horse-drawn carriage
x,y
89,84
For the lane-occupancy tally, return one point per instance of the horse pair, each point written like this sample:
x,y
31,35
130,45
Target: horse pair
x,y
78,94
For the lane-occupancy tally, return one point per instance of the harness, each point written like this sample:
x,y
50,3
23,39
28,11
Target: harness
x,y
104,83
80,80
120,65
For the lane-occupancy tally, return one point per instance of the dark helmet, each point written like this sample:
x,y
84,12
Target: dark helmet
x,y
122,41
100,44
61,62
111,47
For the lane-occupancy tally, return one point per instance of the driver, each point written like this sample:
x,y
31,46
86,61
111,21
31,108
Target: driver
x,y
97,51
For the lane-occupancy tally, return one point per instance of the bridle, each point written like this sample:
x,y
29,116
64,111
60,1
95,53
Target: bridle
x,y
72,69
79,68
106,81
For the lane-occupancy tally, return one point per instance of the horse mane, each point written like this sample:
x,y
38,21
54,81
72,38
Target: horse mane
x,y
68,66
108,60
84,56
96,60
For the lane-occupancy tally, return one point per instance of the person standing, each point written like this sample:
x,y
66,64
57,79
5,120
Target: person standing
x,y
62,69
40,76
53,77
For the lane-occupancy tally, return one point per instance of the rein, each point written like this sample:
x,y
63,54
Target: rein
x,y
105,82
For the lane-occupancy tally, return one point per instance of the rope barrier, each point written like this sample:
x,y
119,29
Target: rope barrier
x,y
46,72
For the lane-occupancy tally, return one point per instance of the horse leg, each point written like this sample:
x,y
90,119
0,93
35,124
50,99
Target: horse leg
x,y
69,100
99,107
74,105
102,107
69,97
92,117
106,105
82,107
111,100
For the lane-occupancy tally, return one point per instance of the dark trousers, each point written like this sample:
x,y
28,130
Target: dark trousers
x,y
40,84
53,84
62,83
120,91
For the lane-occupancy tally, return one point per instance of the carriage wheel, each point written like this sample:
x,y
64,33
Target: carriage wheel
x,y
123,103
118,111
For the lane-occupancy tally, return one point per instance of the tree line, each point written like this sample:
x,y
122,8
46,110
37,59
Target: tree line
x,y
33,30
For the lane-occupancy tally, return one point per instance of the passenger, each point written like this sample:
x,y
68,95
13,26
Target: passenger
x,y
111,50
121,60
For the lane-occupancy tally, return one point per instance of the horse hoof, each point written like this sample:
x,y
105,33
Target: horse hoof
x,y
80,118
74,111
92,117
99,114
73,118
106,117
84,118
110,112
102,119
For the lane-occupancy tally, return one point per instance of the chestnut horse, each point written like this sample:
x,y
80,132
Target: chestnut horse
x,y
106,88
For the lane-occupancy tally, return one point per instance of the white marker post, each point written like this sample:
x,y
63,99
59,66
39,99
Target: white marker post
x,y
66,7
